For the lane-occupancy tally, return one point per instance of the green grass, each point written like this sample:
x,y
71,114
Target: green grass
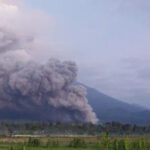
x,y
7,146
105,142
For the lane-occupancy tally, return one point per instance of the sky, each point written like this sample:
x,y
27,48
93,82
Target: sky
x,y
108,39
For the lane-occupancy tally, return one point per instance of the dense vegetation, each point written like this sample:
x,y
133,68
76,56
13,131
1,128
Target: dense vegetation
x,y
37,128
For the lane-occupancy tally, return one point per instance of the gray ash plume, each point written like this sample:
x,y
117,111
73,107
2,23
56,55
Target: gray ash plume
x,y
39,91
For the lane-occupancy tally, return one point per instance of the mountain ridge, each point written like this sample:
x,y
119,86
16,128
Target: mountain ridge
x,y
109,109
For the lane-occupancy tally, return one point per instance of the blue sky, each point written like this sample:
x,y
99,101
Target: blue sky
x,y
108,39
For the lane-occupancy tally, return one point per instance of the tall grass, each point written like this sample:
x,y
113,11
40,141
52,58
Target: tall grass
x,y
105,142
110,143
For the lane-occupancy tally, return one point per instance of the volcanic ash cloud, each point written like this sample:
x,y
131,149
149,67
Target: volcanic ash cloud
x,y
43,91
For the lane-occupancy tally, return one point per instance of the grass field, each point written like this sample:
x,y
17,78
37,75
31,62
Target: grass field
x,y
104,142
6,146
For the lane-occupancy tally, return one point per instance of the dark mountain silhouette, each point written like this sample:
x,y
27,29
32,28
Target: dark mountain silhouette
x,y
110,109
107,109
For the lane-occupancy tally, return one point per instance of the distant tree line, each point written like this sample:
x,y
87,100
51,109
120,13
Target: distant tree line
x,y
43,128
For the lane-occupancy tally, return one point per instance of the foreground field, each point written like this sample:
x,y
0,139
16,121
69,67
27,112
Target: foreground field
x,y
18,146
104,142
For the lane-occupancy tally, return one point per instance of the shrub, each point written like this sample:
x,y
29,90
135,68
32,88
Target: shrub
x,y
105,141
11,148
122,144
52,143
33,142
77,143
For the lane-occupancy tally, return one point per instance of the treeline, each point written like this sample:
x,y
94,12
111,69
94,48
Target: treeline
x,y
39,128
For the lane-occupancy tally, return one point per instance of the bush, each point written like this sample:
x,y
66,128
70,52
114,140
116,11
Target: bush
x,y
11,148
77,143
122,145
33,142
52,143
105,142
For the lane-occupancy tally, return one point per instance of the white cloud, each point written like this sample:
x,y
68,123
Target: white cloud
x,y
10,2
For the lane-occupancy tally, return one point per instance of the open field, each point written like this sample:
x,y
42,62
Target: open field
x,y
47,143
44,139
6,146
104,142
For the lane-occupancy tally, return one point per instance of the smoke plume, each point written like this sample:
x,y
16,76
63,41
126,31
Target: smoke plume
x,y
39,91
